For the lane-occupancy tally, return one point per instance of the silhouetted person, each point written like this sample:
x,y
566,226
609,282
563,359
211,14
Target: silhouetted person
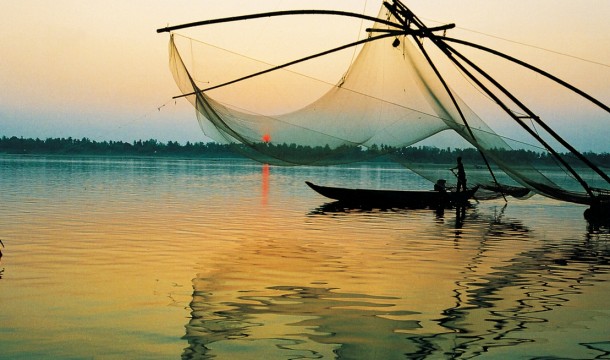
x,y
461,175
440,185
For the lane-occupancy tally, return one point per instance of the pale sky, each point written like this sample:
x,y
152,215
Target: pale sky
x,y
98,69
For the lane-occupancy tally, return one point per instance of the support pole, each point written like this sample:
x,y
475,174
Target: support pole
x,y
531,67
278,13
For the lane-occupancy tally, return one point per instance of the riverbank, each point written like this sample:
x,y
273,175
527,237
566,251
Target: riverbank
x,y
154,148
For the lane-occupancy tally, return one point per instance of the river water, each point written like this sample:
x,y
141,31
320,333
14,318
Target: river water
x,y
111,258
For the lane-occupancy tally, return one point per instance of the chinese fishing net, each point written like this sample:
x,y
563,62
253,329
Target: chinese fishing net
x,y
388,99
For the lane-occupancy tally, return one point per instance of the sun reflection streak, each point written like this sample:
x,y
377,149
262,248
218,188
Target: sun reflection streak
x,y
265,185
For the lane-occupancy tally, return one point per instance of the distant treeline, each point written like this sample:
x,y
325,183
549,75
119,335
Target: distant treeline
x,y
416,154
85,146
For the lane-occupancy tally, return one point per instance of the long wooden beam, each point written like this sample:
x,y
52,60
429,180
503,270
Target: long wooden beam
x,y
278,13
533,116
531,67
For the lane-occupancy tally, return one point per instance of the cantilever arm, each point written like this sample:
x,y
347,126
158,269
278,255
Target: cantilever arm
x,y
531,67
280,13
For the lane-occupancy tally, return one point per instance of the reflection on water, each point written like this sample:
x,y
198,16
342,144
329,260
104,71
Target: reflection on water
x,y
298,322
161,258
495,302
265,185
1,269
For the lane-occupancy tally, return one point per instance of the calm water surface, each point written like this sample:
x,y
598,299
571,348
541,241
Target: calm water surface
x,y
108,258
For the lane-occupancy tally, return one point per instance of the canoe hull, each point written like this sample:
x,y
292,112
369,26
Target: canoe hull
x,y
394,198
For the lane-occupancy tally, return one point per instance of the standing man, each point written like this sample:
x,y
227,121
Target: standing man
x,y
461,175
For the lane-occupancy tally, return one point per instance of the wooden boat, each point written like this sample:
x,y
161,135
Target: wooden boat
x,y
395,198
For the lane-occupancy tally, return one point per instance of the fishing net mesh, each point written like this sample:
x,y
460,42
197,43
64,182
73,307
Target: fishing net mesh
x,y
388,99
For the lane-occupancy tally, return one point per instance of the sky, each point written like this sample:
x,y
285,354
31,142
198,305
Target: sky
x,y
98,69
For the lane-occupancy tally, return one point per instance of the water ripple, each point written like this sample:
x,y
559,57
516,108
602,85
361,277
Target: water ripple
x,y
157,258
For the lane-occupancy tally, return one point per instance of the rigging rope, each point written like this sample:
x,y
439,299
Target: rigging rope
x,y
523,44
